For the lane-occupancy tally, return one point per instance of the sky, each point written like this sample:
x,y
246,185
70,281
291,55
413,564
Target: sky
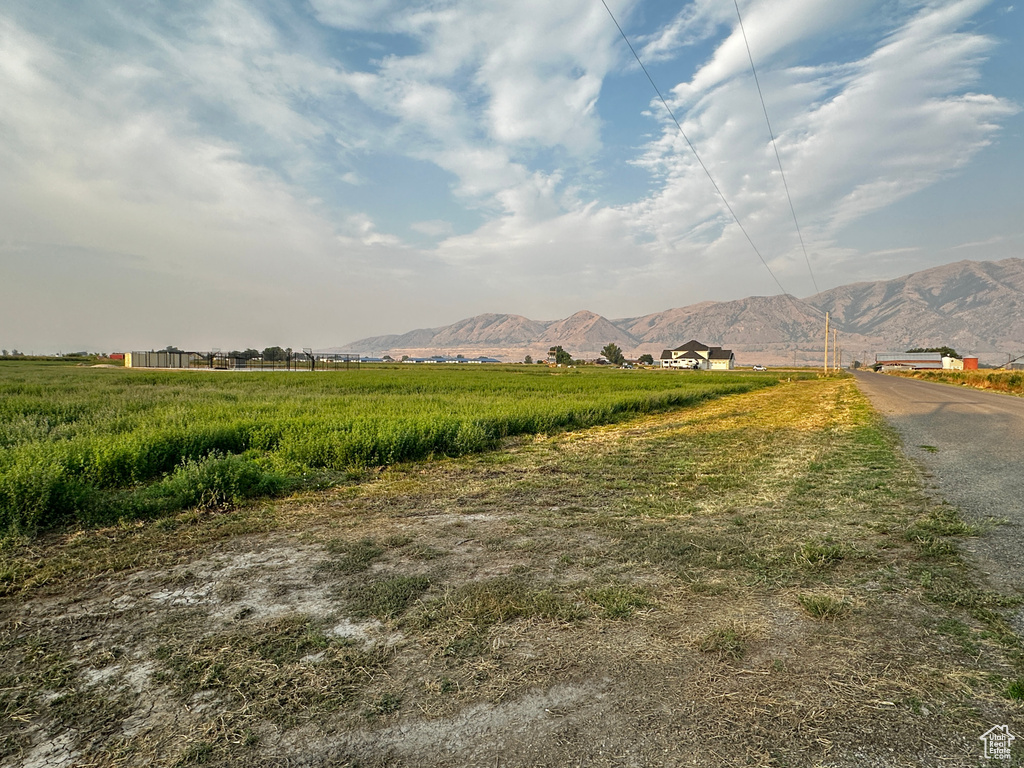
x,y
305,173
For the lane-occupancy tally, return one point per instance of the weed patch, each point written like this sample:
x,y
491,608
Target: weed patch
x,y
619,602
386,598
352,557
1015,690
729,641
824,607
818,555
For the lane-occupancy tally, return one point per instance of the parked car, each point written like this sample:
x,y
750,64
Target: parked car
x,y
760,368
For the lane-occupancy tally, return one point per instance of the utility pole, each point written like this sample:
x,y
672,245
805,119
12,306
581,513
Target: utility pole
x,y
826,342
835,349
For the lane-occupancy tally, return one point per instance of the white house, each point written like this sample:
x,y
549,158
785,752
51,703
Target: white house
x,y
696,356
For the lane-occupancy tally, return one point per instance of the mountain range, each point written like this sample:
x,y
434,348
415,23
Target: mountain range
x,y
976,307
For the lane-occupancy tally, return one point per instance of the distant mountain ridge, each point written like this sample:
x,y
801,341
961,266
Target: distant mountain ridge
x,y
977,307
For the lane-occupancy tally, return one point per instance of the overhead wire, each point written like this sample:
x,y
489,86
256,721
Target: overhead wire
x,y
693,149
775,146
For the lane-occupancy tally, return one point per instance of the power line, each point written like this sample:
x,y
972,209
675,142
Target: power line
x,y
693,149
771,133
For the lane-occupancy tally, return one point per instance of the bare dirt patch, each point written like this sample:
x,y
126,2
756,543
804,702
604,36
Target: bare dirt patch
x,y
757,581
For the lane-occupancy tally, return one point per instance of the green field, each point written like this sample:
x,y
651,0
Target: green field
x,y
92,446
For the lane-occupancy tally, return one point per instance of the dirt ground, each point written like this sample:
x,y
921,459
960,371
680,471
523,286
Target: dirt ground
x,y
758,581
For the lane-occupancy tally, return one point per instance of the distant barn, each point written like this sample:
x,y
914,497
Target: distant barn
x,y
924,361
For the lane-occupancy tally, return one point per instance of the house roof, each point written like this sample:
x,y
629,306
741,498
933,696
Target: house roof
x,y
693,346
907,357
717,353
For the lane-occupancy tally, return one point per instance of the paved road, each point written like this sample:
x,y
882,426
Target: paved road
x,y
975,459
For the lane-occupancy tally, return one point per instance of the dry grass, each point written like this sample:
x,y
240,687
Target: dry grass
x,y
765,564
1011,382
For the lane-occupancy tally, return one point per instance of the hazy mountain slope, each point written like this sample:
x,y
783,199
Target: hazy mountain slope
x,y
967,304
585,331
756,320
501,330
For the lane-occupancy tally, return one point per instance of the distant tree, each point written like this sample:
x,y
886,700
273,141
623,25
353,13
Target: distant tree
x,y
5,353
274,354
172,349
646,359
250,353
613,354
946,351
404,358
560,356
528,360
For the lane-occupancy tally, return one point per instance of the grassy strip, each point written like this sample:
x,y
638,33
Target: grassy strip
x,y
1011,382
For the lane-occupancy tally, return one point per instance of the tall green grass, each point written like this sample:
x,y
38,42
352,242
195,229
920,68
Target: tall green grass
x,y
88,446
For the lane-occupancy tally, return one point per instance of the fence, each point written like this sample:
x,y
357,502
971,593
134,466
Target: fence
x,y
161,359
297,361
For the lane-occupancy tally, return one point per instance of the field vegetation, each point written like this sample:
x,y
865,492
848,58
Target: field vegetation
x,y
92,446
637,593
998,381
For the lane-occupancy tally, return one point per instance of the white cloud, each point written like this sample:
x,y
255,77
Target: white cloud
x,y
360,228
364,15
695,23
434,228
770,28
492,84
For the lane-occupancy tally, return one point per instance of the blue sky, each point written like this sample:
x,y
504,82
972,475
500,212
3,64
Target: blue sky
x,y
228,173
